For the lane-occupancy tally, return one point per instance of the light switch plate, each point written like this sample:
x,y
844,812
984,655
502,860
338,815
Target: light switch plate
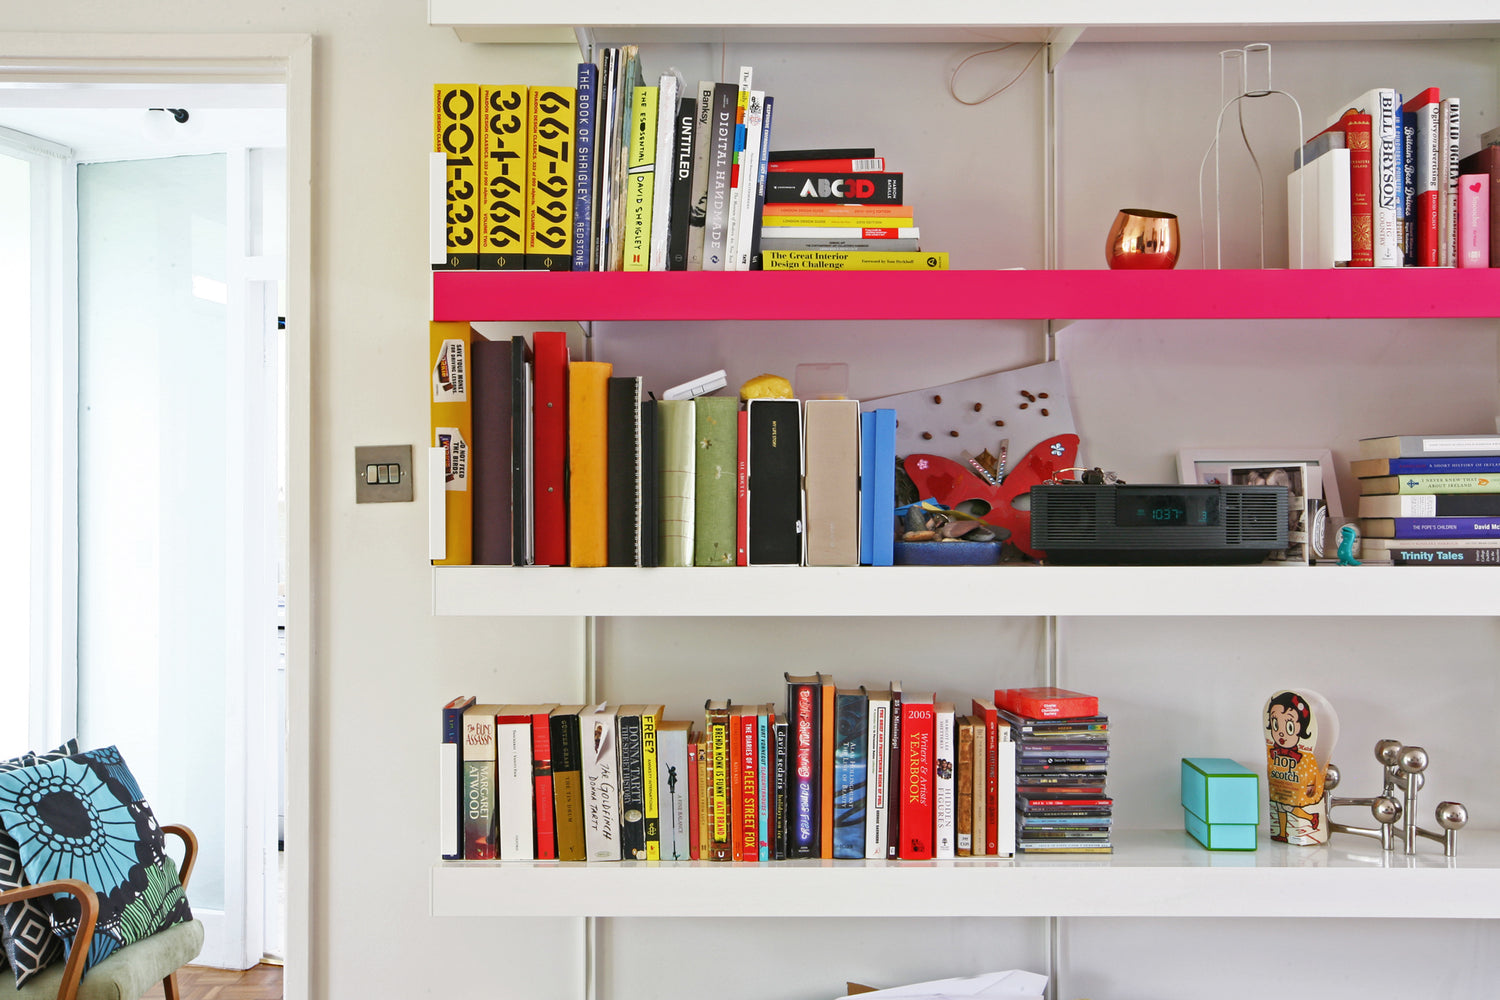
x,y
382,473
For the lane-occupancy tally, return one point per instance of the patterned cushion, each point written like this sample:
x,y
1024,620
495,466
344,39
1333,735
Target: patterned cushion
x,y
84,817
26,927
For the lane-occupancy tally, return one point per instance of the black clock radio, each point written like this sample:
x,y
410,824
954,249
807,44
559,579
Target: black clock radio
x,y
1169,524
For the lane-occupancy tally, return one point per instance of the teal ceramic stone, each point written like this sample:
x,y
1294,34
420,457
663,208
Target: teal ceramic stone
x,y
1220,836
1220,790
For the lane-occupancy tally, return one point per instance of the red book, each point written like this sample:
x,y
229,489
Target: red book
x,y
1356,129
986,713
1487,161
694,822
1425,186
918,734
541,783
742,497
1046,703
874,164
549,428
749,761
825,768
736,784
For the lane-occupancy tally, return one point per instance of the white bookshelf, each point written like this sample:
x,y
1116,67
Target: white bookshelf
x,y
1380,591
1152,873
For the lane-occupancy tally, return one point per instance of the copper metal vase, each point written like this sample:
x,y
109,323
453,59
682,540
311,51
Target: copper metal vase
x,y
1141,238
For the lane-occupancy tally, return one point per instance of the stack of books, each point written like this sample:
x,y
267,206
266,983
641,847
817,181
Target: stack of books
x,y
1062,762
1384,186
839,773
1430,499
839,209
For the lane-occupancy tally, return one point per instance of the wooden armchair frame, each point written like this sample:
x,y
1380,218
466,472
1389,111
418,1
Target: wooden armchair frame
x,y
88,902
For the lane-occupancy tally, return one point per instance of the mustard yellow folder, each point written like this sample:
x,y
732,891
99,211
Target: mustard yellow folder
x,y
588,463
452,430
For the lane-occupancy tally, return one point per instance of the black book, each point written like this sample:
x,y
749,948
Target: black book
x,y
522,537
779,788
893,751
650,487
623,461
760,188
490,387
799,188
682,183
774,483
632,784
851,153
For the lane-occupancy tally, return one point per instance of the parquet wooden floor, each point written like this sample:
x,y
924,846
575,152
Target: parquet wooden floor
x,y
194,983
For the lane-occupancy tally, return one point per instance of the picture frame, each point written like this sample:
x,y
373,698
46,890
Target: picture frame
x,y
1295,477
1202,465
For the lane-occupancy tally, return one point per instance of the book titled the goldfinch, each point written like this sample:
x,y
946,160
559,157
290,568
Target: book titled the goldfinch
x,y
601,783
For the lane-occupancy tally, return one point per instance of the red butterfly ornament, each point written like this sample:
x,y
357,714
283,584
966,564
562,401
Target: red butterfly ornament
x,y
950,484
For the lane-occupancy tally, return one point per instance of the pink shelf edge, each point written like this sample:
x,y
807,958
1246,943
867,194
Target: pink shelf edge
x,y
1343,293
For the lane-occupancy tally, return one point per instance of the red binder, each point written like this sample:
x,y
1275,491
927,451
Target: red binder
x,y
550,452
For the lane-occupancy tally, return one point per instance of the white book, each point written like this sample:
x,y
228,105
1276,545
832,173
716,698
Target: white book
x,y
749,172
672,789
601,783
1321,221
450,839
878,774
513,788
668,89
1449,122
1383,106
945,765
737,172
1005,802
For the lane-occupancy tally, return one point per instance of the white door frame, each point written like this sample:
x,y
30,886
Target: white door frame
x,y
252,58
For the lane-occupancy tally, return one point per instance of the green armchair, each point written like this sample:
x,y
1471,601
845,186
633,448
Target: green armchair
x,y
129,972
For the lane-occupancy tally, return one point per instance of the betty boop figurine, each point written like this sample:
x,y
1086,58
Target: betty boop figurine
x,y
1294,770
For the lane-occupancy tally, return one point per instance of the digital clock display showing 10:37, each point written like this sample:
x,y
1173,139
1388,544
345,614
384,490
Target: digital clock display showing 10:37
x,y
1167,510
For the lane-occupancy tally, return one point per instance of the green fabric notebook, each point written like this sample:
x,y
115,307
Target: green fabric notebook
x,y
675,455
716,452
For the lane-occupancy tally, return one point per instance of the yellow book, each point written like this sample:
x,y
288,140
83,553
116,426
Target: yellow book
x,y
588,464
452,430
839,221
455,133
640,179
503,177
853,260
650,717
549,217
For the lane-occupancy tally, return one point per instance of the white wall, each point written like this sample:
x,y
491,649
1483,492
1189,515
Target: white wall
x,y
384,664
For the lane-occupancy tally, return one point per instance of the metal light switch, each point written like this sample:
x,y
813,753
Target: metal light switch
x,y
382,473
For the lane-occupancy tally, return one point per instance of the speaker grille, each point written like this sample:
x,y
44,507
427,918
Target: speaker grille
x,y
1072,519
1251,517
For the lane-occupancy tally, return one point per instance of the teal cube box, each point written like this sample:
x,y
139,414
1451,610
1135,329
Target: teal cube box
x,y
1220,836
1218,790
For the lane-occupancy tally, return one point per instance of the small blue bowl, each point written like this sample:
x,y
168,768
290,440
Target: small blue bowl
x,y
948,553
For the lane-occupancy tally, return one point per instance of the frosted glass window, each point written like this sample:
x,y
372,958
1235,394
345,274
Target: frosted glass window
x,y
153,597
15,416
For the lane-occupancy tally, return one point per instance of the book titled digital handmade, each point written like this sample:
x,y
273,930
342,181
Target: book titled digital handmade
x,y
585,132
667,91
504,177
850,765
640,185
549,230
719,169
853,260
455,134
601,783
815,187
452,431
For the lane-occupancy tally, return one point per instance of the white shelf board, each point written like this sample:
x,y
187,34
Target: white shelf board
x,y
963,20
1155,873
859,591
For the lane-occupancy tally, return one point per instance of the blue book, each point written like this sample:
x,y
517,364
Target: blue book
x,y
1367,467
882,489
1432,527
763,782
1408,133
583,160
866,493
850,763
1404,182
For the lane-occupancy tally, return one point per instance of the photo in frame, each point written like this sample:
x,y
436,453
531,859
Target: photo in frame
x,y
1322,509
1294,476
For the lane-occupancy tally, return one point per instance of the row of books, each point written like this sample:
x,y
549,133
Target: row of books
x,y
840,773
1430,500
1384,186
620,173
555,462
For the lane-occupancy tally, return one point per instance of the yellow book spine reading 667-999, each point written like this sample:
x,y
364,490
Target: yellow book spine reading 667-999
x,y
549,231
504,180
455,134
